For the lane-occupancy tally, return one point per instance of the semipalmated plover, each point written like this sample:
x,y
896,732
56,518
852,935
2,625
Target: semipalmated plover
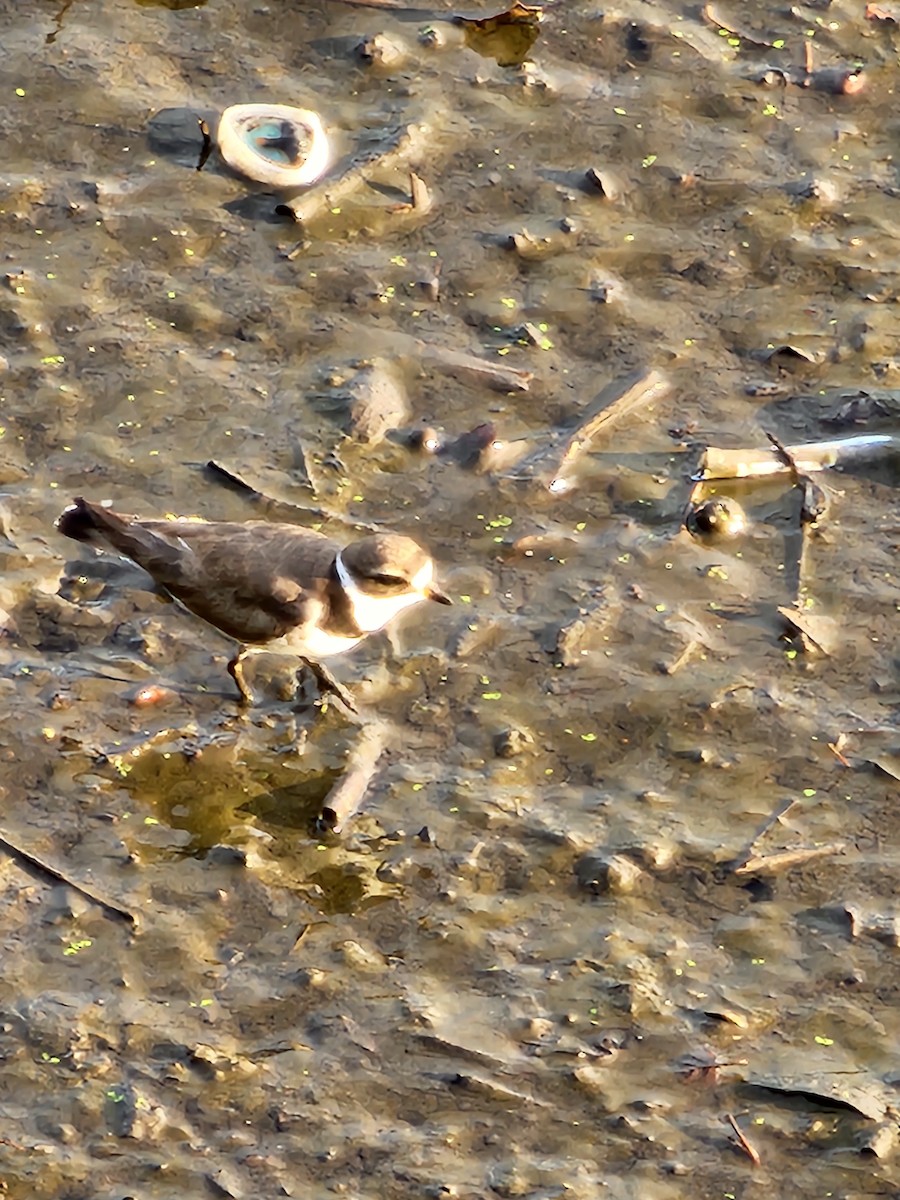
x,y
270,587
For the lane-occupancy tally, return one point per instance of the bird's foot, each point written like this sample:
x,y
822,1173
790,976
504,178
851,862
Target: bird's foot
x,y
236,671
329,685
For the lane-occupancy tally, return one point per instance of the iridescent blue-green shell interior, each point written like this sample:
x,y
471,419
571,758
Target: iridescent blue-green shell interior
x,y
284,143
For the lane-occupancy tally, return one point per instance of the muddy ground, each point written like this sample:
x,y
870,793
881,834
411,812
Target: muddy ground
x,y
623,880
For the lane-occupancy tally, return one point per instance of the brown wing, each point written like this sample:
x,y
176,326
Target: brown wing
x,y
242,578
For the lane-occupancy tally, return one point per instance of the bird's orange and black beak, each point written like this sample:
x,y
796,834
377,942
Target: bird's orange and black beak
x,y
434,593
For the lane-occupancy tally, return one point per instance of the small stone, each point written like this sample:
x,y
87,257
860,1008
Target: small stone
x,y
433,38
676,1168
511,742
361,958
604,182
227,856
613,875
151,695
426,439
380,51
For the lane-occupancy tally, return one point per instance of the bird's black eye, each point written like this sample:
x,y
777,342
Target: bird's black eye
x,y
392,581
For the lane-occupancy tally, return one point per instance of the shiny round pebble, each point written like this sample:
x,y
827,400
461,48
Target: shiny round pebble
x,y
716,518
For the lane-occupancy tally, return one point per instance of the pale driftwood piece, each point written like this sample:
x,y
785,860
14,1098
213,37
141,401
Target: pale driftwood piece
x,y
718,463
41,864
451,361
781,860
409,141
618,400
578,634
497,375
347,795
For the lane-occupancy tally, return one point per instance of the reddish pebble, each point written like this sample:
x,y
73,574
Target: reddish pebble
x,y
854,83
151,694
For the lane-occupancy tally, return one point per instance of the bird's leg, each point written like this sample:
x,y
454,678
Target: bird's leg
x,y
236,671
328,683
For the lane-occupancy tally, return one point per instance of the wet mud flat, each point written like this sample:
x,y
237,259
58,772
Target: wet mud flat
x,y
613,901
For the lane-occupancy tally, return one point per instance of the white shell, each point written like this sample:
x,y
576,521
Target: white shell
x,y
273,143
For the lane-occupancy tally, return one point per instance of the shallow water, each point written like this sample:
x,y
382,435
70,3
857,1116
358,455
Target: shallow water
x,y
526,976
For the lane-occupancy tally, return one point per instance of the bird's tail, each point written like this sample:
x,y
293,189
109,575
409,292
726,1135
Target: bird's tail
x,y
90,523
106,530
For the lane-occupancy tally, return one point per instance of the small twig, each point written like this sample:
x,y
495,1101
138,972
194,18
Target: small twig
x,y
748,1148
672,665
808,61
769,864
776,818
41,864
296,250
842,759
813,500
347,795
785,457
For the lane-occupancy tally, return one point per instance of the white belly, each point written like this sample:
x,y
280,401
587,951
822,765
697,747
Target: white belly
x,y
313,643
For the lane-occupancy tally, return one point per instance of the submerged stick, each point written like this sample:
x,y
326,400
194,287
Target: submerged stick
x,y
41,864
347,795
718,463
